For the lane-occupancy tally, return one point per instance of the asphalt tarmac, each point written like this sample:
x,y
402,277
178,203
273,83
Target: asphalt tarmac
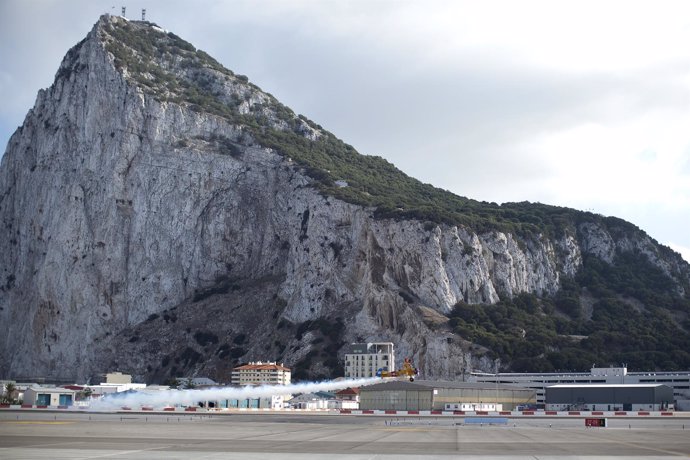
x,y
66,435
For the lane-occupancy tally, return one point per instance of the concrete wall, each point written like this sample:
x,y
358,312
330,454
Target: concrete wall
x,y
118,377
33,396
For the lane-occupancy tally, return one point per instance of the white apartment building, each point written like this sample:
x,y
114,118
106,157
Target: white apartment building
x,y
678,381
364,359
260,373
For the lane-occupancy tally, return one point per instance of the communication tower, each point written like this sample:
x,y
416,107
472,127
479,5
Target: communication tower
x,y
143,14
124,8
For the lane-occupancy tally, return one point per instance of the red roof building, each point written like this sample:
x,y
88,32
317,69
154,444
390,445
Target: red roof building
x,y
348,394
259,373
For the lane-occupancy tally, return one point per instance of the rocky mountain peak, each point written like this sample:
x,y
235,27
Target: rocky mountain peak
x,y
168,217
170,69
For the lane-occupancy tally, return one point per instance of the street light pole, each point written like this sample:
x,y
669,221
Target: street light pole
x,y
496,384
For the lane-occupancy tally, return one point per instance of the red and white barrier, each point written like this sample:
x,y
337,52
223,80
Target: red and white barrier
x,y
388,412
579,414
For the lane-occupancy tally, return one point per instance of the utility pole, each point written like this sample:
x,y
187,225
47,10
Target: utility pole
x,y
496,383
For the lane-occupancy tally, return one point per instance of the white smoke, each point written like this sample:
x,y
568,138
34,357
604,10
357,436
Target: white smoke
x,y
159,399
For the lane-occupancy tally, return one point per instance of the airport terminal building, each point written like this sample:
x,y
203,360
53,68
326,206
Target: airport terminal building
x,y
679,382
635,397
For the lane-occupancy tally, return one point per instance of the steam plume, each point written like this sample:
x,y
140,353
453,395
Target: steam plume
x,y
159,399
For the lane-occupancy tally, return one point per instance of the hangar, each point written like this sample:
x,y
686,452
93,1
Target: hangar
x,y
609,397
396,395
439,395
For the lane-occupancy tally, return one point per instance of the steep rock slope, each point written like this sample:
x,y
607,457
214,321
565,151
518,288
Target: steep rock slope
x,y
166,216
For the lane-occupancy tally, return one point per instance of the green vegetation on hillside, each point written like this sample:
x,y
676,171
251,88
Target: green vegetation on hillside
x,y
626,312
635,318
170,69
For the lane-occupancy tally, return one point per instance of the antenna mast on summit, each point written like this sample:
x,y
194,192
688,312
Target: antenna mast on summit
x,y
143,14
124,8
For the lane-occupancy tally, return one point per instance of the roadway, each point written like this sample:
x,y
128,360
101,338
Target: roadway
x,y
67,435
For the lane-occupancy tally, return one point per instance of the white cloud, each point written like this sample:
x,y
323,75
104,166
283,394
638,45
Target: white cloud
x,y
582,104
580,36
635,162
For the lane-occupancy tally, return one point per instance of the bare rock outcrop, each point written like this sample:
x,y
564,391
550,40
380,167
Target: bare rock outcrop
x,y
121,208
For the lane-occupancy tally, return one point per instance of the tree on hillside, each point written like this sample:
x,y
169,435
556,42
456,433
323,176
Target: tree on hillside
x,y
10,393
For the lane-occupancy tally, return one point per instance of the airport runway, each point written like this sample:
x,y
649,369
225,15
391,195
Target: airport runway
x,y
39,435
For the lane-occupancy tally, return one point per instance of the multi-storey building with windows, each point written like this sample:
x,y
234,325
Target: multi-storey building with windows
x,y
364,359
259,373
678,381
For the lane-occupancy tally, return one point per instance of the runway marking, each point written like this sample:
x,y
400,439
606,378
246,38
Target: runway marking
x,y
641,446
35,422
127,452
35,446
409,429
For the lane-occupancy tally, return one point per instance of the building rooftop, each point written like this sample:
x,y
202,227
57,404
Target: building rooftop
x,y
467,385
348,391
73,387
593,372
199,381
51,390
259,366
313,396
603,385
370,347
394,386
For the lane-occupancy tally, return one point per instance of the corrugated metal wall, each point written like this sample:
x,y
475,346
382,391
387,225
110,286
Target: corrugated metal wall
x,y
618,395
396,400
510,399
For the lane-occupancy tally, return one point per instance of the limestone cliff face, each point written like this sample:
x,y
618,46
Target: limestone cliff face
x,y
120,209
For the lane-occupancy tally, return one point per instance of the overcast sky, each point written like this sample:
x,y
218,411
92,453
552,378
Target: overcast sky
x,y
571,103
